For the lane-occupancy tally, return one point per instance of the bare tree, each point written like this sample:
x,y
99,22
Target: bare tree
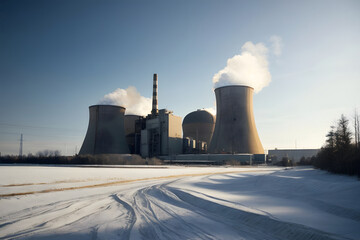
x,y
357,129
48,153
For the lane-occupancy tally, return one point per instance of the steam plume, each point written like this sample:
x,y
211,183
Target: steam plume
x,y
276,43
129,98
210,110
250,68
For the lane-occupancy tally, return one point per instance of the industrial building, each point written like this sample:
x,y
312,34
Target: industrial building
x,y
130,132
201,137
294,155
162,135
157,134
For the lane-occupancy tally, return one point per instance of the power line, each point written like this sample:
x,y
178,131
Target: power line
x,y
37,135
32,126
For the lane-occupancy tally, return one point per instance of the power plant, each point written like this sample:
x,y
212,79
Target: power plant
x,y
200,137
160,132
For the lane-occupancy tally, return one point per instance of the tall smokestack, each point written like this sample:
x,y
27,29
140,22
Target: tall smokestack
x,y
235,130
155,110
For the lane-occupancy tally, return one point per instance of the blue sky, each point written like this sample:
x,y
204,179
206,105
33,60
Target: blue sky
x,y
59,57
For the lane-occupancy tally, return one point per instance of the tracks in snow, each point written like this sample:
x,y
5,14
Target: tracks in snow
x,y
153,211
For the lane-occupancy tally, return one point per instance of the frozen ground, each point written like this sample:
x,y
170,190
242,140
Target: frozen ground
x,y
38,202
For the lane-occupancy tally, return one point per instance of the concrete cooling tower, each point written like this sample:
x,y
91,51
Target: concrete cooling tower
x,y
199,125
235,130
106,132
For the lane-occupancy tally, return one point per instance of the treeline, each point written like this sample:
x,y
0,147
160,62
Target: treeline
x,y
104,159
304,161
340,154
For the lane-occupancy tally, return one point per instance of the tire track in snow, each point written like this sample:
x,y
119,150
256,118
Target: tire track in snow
x,y
248,225
65,216
49,217
113,183
154,210
271,228
333,209
160,220
131,217
55,182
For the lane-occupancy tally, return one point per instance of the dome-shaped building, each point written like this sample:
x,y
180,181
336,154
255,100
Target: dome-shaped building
x,y
199,125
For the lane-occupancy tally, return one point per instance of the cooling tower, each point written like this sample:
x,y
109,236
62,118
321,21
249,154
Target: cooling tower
x,y
235,130
199,125
106,132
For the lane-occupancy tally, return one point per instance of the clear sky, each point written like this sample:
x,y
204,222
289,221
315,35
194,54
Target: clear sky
x,y
59,57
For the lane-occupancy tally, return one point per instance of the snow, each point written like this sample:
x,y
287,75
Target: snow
x,y
169,202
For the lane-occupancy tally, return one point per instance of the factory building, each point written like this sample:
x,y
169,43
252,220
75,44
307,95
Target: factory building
x,y
161,132
294,155
162,135
130,132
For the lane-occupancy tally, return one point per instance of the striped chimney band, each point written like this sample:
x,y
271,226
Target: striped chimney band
x,y
154,110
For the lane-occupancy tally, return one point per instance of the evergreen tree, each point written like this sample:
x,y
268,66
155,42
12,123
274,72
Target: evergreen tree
x,y
339,155
343,135
331,140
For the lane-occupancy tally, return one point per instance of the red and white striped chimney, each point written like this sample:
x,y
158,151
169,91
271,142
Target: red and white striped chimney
x,y
155,110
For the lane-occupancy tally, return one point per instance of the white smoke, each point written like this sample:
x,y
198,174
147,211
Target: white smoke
x,y
210,110
250,68
129,98
276,45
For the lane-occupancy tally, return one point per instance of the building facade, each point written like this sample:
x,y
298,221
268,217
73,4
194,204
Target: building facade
x,y
294,155
162,135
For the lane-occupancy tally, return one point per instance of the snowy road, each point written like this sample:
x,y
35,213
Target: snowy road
x,y
177,203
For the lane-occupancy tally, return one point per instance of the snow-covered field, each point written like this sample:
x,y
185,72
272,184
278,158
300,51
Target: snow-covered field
x,y
49,202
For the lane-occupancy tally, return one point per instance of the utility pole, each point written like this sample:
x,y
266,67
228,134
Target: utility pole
x,y
21,146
